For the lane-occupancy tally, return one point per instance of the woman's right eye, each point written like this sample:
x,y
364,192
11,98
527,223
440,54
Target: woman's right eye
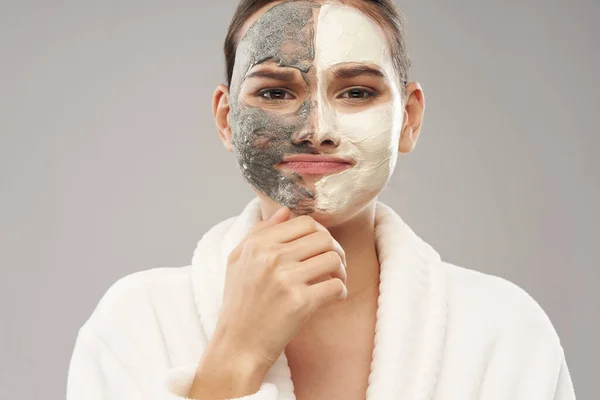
x,y
275,95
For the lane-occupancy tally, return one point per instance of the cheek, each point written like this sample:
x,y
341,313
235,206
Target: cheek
x,y
373,133
255,128
260,140
371,138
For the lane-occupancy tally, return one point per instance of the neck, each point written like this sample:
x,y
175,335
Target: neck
x,y
357,238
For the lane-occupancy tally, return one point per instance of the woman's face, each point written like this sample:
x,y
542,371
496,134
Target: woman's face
x,y
315,79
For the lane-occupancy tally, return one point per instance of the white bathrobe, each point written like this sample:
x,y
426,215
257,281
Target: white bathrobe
x,y
443,332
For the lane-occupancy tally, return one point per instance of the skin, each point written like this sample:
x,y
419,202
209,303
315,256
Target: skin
x,y
260,133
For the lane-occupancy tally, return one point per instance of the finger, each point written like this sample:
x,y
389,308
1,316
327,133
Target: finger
x,y
293,229
281,215
323,292
312,245
325,265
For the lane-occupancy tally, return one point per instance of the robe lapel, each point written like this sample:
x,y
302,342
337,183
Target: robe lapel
x,y
412,305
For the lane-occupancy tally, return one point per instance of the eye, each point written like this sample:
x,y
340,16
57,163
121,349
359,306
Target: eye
x,y
358,94
275,94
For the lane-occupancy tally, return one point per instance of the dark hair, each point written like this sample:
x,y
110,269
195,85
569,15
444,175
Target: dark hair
x,y
384,12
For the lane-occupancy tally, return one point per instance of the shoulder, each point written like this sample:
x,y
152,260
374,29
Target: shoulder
x,y
156,298
496,304
146,320
141,299
496,328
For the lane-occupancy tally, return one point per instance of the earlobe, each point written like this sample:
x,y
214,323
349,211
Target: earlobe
x,y
407,140
221,109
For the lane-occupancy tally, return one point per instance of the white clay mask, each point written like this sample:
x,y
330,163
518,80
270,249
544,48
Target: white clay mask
x,y
332,53
369,136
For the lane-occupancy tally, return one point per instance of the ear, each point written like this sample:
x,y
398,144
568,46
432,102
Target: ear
x,y
220,108
413,117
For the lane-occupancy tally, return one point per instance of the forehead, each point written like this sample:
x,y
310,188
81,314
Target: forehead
x,y
301,33
346,34
284,32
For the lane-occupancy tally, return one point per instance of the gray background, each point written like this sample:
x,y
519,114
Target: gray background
x,y
110,162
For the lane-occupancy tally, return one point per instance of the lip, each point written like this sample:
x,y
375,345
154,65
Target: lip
x,y
315,164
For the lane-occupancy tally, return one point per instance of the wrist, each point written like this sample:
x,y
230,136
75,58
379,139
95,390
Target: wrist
x,y
225,372
234,355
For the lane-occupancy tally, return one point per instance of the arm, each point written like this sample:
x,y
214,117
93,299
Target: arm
x,y
564,385
96,373
226,372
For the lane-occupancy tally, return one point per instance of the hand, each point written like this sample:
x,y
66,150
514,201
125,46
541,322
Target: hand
x,y
276,278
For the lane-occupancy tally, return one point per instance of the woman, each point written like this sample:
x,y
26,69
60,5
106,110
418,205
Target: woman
x,y
317,290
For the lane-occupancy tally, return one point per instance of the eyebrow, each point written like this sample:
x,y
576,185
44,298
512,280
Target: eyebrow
x,y
277,75
352,72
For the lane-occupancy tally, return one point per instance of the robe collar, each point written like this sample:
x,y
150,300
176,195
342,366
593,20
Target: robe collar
x,y
412,305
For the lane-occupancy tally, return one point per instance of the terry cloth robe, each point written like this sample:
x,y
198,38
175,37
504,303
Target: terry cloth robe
x,y
443,332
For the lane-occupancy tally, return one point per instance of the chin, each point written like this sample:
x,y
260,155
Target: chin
x,y
333,218
329,218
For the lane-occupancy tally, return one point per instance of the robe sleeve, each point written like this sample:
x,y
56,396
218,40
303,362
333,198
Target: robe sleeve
x,y
96,373
564,385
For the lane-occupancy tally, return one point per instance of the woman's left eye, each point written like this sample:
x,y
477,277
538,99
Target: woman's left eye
x,y
358,93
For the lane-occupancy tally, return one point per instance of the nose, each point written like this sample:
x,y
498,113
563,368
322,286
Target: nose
x,y
316,131
319,142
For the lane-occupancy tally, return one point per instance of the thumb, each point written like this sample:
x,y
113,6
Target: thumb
x,y
279,216
282,214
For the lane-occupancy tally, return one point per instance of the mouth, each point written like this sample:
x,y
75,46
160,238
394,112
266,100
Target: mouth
x,y
315,164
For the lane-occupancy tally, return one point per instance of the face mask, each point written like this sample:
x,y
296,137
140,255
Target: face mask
x,y
330,53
